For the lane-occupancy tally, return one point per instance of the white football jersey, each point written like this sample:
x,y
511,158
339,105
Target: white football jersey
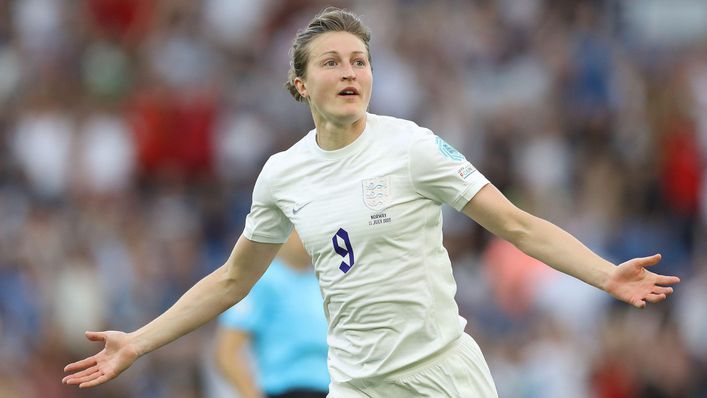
x,y
369,214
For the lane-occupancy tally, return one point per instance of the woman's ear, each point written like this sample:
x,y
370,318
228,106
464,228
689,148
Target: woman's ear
x,y
301,87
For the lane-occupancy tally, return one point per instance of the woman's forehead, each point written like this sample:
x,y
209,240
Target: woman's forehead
x,y
342,43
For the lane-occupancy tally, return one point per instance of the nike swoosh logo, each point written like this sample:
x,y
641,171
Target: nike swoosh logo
x,y
297,208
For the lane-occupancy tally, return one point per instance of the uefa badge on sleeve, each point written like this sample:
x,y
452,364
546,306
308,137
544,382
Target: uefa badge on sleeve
x,y
448,151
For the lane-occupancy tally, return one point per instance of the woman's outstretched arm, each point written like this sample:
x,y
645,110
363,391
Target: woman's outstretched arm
x,y
630,281
205,300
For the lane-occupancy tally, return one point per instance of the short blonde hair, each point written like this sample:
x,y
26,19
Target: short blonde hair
x,y
331,19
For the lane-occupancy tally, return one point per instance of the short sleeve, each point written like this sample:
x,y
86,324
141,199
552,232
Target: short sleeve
x,y
441,173
266,223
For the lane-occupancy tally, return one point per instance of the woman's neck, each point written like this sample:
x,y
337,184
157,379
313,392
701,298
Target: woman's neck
x,y
332,136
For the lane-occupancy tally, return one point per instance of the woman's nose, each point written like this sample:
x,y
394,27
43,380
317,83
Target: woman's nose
x,y
348,73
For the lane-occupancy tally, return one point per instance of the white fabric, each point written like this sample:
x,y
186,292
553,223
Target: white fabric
x,y
395,305
459,371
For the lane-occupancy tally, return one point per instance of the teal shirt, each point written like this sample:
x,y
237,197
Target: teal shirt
x,y
284,316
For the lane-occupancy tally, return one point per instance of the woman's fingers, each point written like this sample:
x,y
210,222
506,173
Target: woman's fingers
x,y
96,336
84,363
103,366
90,361
82,373
662,290
666,280
647,261
83,379
655,298
638,303
100,379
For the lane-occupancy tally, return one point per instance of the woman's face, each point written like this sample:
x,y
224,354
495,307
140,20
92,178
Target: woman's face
x,y
338,78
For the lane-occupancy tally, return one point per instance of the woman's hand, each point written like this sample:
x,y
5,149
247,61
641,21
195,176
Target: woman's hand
x,y
633,283
117,355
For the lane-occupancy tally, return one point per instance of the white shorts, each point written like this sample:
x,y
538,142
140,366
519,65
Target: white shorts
x,y
459,371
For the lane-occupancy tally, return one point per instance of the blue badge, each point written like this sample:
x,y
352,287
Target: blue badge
x,y
448,151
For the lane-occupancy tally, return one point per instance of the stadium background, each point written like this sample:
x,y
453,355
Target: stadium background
x,y
131,133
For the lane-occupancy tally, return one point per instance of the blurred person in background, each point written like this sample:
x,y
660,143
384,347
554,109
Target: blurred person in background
x,y
282,322
394,324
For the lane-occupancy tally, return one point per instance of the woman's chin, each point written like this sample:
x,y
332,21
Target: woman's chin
x,y
349,115
340,115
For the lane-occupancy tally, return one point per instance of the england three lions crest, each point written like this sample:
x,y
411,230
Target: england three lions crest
x,y
376,193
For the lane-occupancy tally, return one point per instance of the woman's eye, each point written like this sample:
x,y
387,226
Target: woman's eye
x,y
360,62
330,62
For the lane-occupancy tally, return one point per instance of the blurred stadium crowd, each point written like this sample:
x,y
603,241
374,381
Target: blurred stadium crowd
x,y
131,133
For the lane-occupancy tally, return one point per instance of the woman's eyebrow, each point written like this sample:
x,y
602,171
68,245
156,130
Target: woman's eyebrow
x,y
334,52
